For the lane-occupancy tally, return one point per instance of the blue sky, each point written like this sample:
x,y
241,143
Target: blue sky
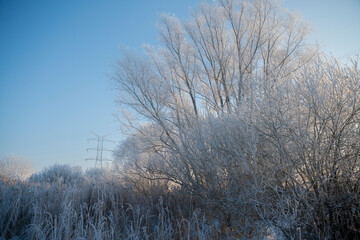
x,y
56,58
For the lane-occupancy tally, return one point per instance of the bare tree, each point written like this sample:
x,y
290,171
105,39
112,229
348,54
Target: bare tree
x,y
13,168
208,63
236,108
208,66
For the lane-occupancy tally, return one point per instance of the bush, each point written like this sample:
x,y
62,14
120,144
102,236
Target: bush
x,y
98,210
59,173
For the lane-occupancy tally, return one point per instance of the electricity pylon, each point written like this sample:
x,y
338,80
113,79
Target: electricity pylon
x,y
99,149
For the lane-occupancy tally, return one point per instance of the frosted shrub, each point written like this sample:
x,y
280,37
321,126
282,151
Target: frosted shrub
x,y
59,173
97,209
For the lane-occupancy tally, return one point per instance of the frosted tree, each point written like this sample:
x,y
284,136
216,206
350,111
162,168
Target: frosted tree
x,y
235,107
219,62
13,168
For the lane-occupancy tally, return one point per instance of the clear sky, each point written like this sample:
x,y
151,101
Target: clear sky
x,y
56,58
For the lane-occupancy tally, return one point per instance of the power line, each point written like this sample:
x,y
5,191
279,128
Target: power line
x,y
99,149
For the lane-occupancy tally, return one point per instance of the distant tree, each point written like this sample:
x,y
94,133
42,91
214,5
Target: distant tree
x,y
59,173
14,167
